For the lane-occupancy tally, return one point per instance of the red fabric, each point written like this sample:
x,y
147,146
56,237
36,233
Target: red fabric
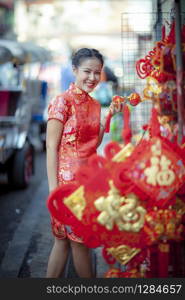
x,y
160,63
176,259
163,259
108,257
132,170
126,133
107,123
80,115
134,99
163,32
152,271
59,230
154,123
116,99
129,176
116,273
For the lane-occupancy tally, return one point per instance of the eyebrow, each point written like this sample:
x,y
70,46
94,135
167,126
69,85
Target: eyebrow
x,y
86,68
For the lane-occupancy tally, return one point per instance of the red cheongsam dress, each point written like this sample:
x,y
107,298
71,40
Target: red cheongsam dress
x,y
80,115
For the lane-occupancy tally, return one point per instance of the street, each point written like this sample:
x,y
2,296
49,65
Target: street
x,y
21,212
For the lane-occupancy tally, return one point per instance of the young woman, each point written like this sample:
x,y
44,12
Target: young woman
x,y
74,132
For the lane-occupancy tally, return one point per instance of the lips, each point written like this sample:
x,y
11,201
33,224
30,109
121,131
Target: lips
x,y
90,85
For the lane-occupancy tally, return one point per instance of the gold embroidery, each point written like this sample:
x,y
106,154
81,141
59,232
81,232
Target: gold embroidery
x,y
77,90
71,138
152,89
159,228
179,206
123,153
76,202
156,148
163,247
123,254
122,211
159,171
165,177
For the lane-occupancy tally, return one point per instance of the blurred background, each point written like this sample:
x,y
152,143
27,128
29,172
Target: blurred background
x,y
37,40
45,34
62,26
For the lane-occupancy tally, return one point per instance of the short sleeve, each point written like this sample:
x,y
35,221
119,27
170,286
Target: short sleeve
x,y
58,109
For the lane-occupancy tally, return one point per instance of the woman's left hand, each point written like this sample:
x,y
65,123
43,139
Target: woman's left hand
x,y
115,107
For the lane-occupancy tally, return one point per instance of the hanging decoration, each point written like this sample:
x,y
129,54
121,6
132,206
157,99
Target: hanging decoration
x,y
131,201
159,69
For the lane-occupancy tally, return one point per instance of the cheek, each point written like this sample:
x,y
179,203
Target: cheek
x,y
80,76
97,77
83,76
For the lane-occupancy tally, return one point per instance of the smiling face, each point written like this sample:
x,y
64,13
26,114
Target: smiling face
x,y
88,74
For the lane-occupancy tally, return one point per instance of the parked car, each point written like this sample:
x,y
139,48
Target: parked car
x,y
19,93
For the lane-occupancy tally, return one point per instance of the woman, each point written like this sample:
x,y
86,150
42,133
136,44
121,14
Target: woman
x,y
74,132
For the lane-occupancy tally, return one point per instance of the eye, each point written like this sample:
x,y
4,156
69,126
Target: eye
x,y
86,71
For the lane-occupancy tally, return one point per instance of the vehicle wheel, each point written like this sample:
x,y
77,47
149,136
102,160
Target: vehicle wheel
x,y
21,167
43,135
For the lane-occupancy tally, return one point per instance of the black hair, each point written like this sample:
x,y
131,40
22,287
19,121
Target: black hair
x,y
85,53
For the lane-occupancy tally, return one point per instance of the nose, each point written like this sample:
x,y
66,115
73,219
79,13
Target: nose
x,y
92,76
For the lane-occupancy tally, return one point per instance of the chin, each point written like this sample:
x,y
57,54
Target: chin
x,y
89,89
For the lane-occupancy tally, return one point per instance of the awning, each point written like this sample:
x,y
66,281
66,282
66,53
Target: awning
x,y
18,54
36,53
5,55
22,53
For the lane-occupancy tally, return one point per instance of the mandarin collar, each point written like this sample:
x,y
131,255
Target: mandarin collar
x,y
80,95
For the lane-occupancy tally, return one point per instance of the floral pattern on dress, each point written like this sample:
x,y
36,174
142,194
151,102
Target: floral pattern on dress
x,y
58,109
80,116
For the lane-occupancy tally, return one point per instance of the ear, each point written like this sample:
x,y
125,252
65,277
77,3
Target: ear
x,y
74,69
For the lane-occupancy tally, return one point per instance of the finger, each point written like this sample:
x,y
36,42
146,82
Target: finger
x,y
110,110
117,108
111,107
120,107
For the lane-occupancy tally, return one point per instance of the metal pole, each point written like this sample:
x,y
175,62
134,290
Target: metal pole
x,y
179,70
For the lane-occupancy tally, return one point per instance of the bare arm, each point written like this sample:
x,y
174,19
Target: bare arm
x,y
102,130
53,137
113,109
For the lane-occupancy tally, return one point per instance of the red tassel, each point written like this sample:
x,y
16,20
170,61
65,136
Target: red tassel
x,y
152,256
154,123
107,123
126,133
163,259
176,251
163,32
